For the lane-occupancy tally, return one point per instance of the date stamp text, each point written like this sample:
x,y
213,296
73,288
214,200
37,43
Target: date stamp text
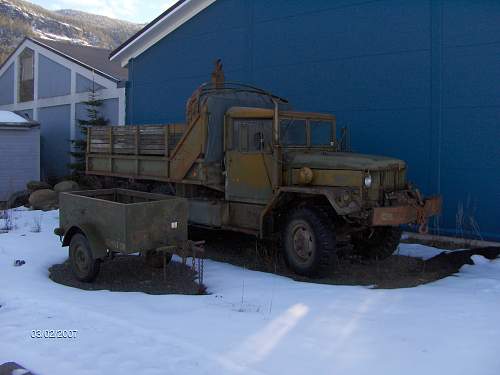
x,y
54,333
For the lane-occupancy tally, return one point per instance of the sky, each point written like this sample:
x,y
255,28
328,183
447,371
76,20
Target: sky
x,y
138,11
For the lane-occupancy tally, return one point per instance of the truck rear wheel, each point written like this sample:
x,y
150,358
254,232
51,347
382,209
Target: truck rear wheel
x,y
377,243
84,266
309,242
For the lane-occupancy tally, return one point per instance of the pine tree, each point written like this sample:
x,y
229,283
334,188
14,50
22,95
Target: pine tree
x,y
94,118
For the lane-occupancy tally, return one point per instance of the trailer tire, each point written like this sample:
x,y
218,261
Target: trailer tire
x,y
309,242
378,243
83,265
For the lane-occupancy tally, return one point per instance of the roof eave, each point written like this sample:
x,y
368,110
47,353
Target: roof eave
x,y
167,22
75,60
7,60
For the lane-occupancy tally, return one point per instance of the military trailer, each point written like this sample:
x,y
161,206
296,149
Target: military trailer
x,y
247,162
96,224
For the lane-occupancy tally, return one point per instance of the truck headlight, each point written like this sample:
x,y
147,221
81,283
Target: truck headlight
x,y
368,180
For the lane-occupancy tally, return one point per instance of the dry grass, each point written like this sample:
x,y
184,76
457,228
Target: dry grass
x,y
6,221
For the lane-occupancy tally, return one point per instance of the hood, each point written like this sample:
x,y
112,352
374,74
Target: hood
x,y
340,160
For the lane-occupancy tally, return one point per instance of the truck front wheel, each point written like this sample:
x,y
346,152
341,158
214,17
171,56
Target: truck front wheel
x,y
84,266
309,242
376,243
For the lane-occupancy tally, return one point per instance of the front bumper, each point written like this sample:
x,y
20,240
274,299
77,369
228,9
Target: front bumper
x,y
413,212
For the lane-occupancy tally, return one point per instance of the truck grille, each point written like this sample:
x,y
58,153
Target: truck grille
x,y
385,181
391,179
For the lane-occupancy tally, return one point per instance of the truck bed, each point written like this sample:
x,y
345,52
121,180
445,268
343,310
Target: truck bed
x,y
158,140
170,153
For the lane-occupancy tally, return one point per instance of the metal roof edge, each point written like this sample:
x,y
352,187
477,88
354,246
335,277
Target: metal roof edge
x,y
6,61
174,17
75,60
66,56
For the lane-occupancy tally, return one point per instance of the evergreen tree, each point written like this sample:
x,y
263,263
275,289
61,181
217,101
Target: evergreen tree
x,y
94,118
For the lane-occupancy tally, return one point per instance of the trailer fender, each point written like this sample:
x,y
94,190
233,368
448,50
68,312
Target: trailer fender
x,y
97,244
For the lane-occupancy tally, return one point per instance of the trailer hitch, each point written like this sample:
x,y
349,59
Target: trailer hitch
x,y
195,250
189,249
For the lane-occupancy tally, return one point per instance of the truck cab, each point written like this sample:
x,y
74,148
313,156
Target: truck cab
x,y
255,138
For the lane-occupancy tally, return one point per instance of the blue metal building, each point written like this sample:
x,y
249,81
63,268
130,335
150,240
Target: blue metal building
x,y
413,79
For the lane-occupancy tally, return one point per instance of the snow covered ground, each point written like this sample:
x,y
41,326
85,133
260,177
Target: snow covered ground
x,y
252,323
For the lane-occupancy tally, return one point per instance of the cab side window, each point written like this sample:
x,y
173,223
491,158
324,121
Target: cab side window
x,y
252,135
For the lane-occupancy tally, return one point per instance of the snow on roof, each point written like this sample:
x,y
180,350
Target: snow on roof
x,y
11,118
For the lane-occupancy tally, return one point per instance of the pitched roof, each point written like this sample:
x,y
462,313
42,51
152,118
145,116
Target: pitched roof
x,y
93,57
174,17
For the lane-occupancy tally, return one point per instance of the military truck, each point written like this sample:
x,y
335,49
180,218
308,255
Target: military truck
x,y
249,163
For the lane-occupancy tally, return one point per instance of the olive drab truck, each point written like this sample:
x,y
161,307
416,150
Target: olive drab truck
x,y
247,162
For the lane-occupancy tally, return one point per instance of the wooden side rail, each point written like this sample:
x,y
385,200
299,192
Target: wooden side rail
x,y
156,140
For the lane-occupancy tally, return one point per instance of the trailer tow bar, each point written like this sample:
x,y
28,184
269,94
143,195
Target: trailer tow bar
x,y
189,249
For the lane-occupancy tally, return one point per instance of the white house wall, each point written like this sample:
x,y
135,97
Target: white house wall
x,y
109,91
85,85
109,111
53,79
19,159
7,86
55,136
58,91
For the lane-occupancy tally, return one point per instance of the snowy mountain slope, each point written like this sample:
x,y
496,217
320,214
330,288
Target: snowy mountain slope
x,y
276,326
20,18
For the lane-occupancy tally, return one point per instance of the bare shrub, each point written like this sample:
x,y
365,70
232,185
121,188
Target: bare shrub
x,y
36,226
6,220
466,220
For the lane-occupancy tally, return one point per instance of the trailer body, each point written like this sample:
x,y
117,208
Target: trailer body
x,y
125,221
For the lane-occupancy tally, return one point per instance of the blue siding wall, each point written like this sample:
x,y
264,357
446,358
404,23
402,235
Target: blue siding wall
x,y
85,85
416,80
55,140
7,85
53,78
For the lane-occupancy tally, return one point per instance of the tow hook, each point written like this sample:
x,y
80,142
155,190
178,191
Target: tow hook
x,y
423,227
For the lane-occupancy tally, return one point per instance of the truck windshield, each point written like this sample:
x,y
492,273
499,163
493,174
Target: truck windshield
x,y
321,132
293,132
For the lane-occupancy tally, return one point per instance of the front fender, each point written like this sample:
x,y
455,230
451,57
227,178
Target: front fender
x,y
96,242
327,192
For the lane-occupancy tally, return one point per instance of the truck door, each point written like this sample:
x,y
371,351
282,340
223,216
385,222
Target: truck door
x,y
249,160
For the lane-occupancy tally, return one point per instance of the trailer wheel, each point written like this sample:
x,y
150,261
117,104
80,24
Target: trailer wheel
x,y
84,266
377,243
309,242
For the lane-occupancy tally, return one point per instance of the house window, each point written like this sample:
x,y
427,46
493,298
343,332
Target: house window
x,y
26,75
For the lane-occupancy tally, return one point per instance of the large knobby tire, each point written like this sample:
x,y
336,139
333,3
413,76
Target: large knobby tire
x,y
376,243
309,242
84,266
